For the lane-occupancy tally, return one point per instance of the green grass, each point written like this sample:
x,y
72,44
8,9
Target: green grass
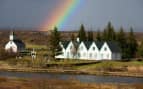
x,y
112,64
35,46
70,61
76,64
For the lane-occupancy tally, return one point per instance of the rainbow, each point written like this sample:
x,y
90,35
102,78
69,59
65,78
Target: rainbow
x,y
60,15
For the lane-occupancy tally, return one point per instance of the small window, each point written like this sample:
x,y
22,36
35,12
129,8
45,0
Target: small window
x,y
107,55
78,54
93,48
70,47
68,54
81,48
105,49
90,55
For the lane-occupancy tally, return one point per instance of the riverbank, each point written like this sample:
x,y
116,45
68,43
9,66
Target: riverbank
x,y
41,83
102,73
108,68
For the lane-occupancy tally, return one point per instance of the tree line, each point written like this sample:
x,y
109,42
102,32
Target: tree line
x,y
126,40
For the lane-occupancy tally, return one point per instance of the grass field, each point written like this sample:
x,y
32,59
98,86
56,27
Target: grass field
x,y
35,46
112,64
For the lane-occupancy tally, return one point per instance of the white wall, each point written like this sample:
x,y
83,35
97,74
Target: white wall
x,y
93,52
11,45
105,52
82,51
68,51
116,56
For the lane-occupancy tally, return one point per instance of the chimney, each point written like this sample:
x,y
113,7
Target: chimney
x,y
77,39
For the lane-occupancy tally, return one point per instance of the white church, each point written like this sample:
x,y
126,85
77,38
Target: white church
x,y
87,50
14,45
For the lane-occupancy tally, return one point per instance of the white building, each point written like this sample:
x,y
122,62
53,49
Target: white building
x,y
87,50
14,45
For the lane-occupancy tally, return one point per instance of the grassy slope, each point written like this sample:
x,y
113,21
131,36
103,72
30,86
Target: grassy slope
x,y
112,63
29,45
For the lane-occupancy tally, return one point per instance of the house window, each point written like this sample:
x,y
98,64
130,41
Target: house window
x,y
68,54
70,47
78,54
105,49
90,55
107,55
93,48
81,48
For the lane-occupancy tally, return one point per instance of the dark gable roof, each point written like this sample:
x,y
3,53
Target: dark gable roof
x,y
65,43
19,43
76,44
99,44
87,44
114,47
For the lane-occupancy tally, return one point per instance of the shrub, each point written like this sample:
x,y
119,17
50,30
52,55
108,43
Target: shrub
x,y
107,66
139,59
12,61
3,79
6,55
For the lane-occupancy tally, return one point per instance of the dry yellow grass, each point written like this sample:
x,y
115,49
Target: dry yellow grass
x,y
13,83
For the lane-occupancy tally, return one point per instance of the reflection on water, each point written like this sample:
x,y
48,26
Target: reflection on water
x,y
82,78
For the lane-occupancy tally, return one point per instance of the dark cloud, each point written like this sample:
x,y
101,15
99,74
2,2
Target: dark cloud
x,y
93,13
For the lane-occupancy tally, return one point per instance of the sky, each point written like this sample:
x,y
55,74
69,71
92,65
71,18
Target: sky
x,y
94,14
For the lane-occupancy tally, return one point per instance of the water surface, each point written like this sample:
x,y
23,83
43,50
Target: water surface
x,y
81,78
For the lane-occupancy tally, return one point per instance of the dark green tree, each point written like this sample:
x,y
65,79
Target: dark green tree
x,y
53,43
122,41
111,35
82,33
98,36
140,50
90,36
104,35
72,37
131,44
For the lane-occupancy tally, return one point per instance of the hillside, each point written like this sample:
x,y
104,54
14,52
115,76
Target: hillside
x,y
29,37
41,37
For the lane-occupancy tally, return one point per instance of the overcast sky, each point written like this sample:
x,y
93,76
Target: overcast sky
x,y
92,13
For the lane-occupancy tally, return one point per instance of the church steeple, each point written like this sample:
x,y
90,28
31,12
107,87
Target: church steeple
x,y
11,36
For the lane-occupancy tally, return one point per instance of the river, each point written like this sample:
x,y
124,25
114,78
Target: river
x,y
81,78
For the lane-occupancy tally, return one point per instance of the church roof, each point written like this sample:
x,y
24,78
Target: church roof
x,y
19,43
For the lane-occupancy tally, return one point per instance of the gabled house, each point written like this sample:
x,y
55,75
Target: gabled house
x,y
63,45
82,51
94,50
14,45
110,50
90,50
